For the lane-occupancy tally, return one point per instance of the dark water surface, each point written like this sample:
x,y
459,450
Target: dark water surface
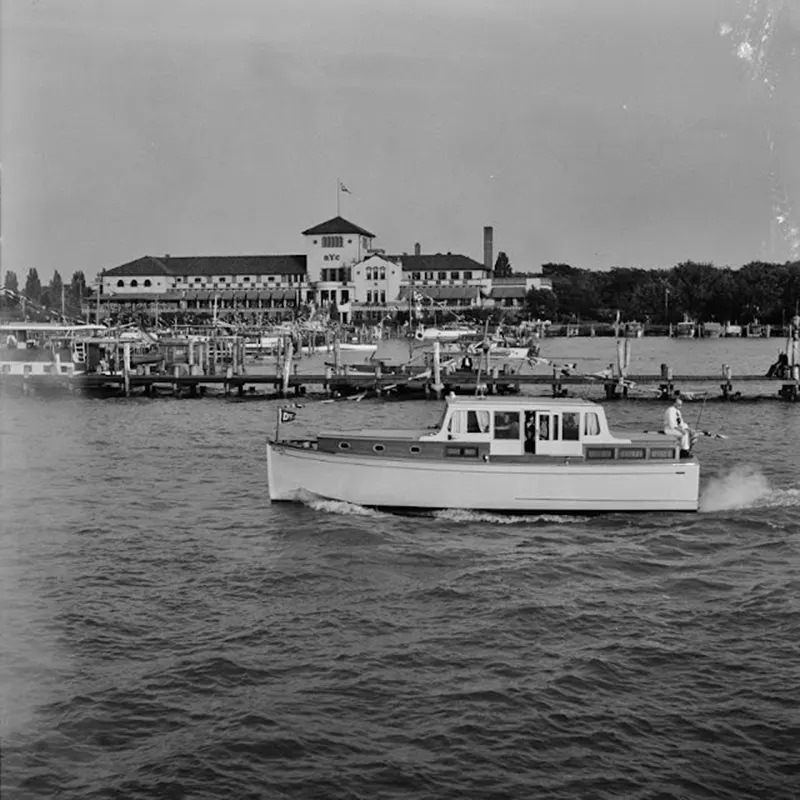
x,y
166,632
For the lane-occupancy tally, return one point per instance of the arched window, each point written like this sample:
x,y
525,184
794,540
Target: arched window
x,y
134,283
147,282
120,282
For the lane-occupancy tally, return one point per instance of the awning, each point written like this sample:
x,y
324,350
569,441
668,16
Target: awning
x,y
436,293
504,292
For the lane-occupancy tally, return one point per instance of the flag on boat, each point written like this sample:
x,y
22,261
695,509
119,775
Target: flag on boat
x,y
343,188
286,415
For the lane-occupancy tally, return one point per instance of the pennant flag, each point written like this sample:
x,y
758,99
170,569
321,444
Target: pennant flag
x,y
286,415
343,188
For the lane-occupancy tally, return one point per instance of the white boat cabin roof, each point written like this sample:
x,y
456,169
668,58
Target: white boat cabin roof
x,y
520,401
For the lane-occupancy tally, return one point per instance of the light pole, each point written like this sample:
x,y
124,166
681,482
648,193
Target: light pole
x,y
666,305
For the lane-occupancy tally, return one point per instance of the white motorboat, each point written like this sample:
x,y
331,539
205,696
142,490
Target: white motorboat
x,y
520,454
44,348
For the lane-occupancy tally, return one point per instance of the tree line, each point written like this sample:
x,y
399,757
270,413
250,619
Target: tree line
x,y
53,298
758,291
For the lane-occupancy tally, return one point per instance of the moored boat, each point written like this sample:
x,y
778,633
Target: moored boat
x,y
521,454
732,329
686,329
36,349
711,330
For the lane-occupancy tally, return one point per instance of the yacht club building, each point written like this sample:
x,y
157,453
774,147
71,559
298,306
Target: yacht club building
x,y
340,271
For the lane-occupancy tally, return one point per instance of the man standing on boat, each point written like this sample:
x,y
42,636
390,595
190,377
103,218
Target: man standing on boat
x,y
675,426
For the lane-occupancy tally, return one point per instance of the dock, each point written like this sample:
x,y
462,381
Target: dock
x,y
328,384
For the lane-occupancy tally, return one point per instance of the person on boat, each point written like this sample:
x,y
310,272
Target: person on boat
x,y
780,368
675,426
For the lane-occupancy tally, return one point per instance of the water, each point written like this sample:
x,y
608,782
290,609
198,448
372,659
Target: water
x,y
166,632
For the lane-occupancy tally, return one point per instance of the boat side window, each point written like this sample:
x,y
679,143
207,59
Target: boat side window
x,y
468,421
570,426
506,424
591,424
477,421
543,430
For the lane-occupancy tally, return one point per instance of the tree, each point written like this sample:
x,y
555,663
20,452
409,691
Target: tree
x,y
11,281
76,293
33,286
542,304
55,290
502,267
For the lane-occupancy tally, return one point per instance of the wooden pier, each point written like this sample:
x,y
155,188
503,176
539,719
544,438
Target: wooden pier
x,y
633,387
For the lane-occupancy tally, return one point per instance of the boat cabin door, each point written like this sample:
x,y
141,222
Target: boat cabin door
x,y
506,434
538,425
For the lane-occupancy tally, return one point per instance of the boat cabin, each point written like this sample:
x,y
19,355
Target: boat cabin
x,y
511,429
525,426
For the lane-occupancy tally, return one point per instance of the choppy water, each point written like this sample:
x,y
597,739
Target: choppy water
x,y
166,632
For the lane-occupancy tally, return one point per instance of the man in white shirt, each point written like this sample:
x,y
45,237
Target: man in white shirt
x,y
675,426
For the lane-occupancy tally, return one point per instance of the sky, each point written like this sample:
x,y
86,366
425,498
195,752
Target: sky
x,y
633,133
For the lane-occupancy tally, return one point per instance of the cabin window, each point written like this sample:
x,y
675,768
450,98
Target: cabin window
x,y
461,452
415,449
630,452
344,445
662,452
597,453
378,448
506,424
570,427
471,421
591,424
543,429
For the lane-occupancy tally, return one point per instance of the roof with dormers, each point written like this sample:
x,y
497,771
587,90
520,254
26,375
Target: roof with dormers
x,y
212,265
337,225
438,262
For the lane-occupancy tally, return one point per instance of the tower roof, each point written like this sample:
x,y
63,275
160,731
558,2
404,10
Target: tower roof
x,y
337,225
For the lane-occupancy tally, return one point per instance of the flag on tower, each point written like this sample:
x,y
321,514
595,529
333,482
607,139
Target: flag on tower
x,y
343,188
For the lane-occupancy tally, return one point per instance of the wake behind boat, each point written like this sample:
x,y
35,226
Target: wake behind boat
x,y
521,454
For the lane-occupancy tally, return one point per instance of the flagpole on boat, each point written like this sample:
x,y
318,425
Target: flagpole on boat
x,y
278,425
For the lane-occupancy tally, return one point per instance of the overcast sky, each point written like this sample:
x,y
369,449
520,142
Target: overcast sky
x,y
594,133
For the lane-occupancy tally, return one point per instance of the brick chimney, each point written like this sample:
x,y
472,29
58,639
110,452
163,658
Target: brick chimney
x,y
488,240
417,249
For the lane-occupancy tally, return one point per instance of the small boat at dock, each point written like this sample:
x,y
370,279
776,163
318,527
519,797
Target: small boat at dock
x,y
686,329
520,454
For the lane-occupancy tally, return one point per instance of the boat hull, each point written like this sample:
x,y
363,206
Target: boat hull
x,y
296,473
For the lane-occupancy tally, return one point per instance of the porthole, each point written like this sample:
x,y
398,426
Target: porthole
x,y
415,449
344,445
378,448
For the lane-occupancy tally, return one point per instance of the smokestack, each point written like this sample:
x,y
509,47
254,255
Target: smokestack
x,y
417,249
488,236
